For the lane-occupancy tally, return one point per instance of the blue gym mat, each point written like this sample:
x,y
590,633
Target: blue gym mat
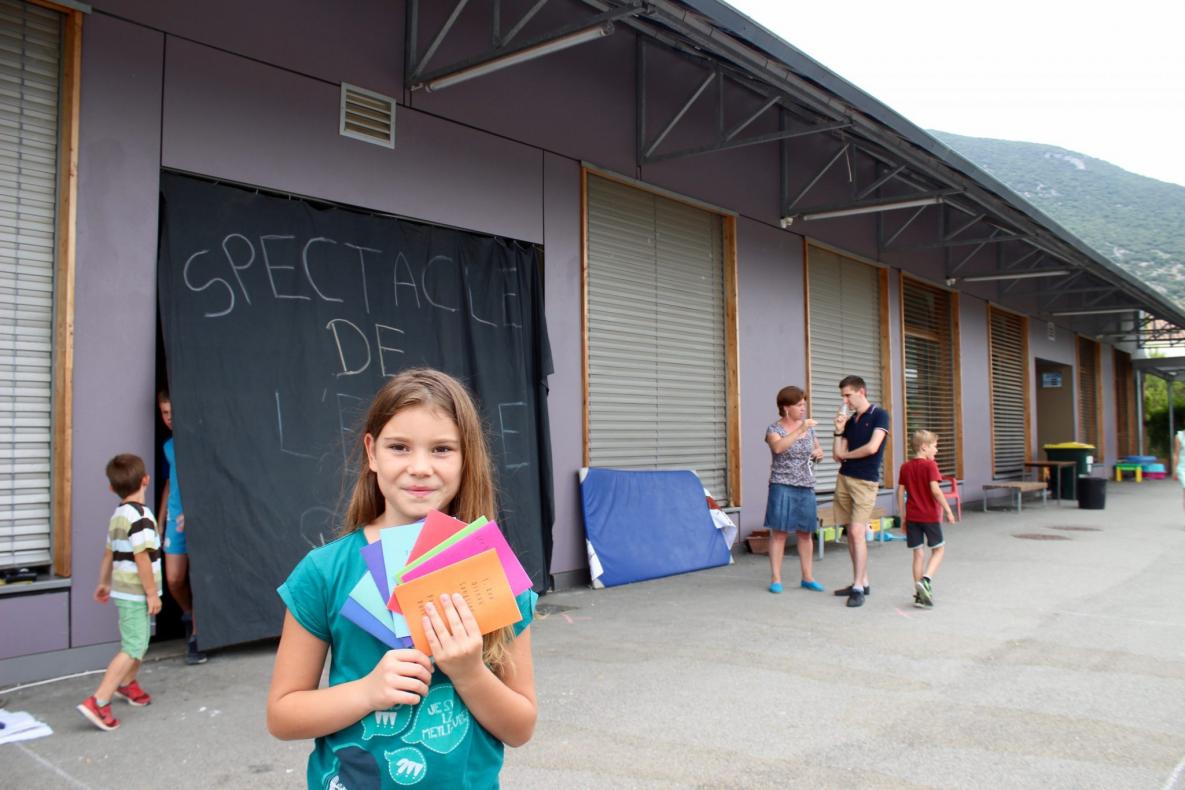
x,y
645,525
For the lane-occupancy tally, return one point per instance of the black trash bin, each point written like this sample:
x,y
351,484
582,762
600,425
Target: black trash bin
x,y
1077,452
1092,493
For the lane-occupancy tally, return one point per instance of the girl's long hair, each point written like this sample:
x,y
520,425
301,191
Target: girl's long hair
x,y
432,389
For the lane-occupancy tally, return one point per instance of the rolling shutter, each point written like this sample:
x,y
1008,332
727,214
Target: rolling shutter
x,y
845,339
930,397
1007,356
1124,389
656,349
30,46
1088,395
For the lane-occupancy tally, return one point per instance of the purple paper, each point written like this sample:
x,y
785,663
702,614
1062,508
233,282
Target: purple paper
x,y
488,537
372,553
356,614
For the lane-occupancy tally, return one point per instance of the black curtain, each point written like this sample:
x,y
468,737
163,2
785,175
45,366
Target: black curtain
x,y
281,319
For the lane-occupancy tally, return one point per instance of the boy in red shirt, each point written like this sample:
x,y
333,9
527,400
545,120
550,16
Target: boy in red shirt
x,y
919,480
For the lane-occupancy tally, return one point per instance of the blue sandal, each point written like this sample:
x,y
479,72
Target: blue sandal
x,y
775,587
811,586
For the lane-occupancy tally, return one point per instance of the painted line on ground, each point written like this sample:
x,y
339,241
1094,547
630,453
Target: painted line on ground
x,y
47,764
1171,784
20,686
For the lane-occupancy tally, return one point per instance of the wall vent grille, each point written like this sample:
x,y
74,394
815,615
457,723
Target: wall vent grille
x,y
367,116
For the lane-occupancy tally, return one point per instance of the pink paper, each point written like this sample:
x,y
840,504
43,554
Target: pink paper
x,y
488,537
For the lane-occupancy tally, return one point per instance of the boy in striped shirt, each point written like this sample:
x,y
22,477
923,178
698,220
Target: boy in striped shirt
x,y
130,574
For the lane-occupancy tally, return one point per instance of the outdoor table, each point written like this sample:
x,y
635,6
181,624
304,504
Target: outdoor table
x,y
1056,466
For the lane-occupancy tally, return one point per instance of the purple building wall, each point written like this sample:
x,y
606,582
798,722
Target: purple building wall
x,y
977,413
562,285
772,332
115,304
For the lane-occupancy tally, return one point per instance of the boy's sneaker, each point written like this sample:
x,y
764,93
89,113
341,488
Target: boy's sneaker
x,y
100,717
192,654
925,592
847,591
135,695
856,598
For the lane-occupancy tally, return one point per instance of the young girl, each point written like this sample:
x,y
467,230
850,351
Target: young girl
x,y
395,717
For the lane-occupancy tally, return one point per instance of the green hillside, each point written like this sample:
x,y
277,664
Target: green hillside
x,y
1135,221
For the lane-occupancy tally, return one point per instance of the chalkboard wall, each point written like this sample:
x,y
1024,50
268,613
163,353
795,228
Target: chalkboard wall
x,y
281,318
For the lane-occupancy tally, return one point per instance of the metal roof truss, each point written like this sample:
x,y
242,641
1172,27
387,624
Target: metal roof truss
x,y
970,216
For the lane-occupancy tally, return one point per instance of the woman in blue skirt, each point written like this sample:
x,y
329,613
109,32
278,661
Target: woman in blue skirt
x,y
791,504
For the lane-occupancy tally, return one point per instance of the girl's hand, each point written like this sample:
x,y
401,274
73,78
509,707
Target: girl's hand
x,y
103,593
455,638
400,678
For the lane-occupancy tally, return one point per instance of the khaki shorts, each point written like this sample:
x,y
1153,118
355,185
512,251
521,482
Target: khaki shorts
x,y
854,500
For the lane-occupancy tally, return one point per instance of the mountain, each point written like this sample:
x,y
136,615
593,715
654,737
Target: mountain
x,y
1135,221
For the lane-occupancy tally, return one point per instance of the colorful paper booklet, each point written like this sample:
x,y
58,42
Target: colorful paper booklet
x,y
413,564
481,582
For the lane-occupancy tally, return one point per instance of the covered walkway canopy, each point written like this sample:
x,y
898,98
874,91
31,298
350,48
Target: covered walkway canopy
x,y
926,197
1168,368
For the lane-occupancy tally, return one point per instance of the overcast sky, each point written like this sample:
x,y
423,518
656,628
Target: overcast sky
x,y
1102,79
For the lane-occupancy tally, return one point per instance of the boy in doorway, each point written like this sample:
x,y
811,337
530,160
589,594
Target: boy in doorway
x,y
176,550
130,574
920,481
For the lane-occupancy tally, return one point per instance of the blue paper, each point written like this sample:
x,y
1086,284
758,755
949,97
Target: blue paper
x,y
355,613
397,545
391,539
372,554
366,594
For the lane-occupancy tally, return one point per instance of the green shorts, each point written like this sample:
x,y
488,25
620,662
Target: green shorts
x,y
133,627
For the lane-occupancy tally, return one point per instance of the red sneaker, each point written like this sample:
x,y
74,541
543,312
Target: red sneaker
x,y
134,694
100,717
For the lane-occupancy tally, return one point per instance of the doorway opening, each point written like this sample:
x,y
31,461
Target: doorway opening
x,y
1055,403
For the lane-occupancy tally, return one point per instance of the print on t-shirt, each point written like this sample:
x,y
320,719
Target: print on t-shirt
x,y
386,722
407,765
442,722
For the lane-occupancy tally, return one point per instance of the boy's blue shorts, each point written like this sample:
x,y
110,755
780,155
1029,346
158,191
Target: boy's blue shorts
x,y
174,538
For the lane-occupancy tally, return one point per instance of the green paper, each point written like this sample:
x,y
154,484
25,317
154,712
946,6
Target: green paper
x,y
459,535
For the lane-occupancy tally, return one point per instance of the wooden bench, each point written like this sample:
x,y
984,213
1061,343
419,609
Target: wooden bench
x,y
1017,488
829,529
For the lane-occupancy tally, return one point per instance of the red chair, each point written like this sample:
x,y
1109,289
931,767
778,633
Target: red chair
x,y
953,494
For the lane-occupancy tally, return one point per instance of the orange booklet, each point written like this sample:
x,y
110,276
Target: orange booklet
x,y
479,579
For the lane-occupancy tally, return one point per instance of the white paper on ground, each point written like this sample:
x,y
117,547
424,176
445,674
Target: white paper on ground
x,y
21,726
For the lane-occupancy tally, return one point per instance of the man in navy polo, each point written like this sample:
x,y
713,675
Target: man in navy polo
x,y
859,446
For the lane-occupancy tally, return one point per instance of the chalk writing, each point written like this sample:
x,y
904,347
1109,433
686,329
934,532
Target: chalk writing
x,y
280,430
357,335
208,284
231,260
509,453
272,267
304,261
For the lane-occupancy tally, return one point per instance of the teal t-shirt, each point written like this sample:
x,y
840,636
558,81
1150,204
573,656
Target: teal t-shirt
x,y
433,744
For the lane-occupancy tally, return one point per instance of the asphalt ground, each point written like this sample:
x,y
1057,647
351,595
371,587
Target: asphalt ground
x,y
1056,662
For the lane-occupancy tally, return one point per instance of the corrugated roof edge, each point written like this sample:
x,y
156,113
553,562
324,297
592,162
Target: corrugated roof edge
x,y
733,22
